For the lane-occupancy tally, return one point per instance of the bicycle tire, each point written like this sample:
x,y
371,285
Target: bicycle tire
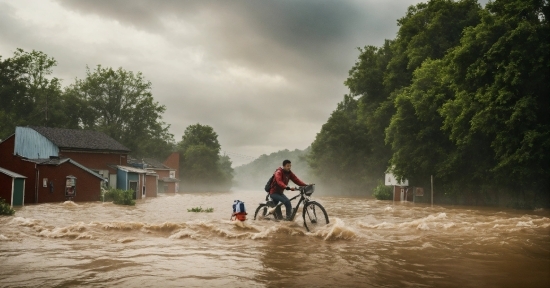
x,y
261,211
312,216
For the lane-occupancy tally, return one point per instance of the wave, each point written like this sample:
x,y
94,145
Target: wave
x,y
335,231
257,230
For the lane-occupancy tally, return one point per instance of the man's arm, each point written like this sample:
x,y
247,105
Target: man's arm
x,y
296,180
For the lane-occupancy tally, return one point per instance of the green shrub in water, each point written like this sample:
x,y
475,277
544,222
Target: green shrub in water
x,y
119,197
382,192
199,209
5,208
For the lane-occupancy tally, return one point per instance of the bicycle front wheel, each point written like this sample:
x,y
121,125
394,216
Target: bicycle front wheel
x,y
315,216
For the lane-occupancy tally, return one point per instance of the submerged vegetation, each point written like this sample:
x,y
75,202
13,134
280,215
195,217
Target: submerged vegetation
x,y
199,209
5,208
382,192
120,197
461,94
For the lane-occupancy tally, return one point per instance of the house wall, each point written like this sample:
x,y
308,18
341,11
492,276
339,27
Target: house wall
x,y
173,161
397,193
96,160
14,163
162,173
151,185
6,187
87,185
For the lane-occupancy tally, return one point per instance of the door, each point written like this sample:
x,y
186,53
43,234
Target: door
x,y
402,194
18,190
133,187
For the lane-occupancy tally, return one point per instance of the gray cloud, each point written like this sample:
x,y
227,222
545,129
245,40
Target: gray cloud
x,y
265,74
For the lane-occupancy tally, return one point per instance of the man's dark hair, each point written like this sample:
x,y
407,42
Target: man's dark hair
x,y
286,162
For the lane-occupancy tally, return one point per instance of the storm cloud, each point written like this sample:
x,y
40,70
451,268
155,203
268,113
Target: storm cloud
x,y
264,74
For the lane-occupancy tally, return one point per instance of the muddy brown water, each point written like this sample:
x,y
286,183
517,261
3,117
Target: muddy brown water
x,y
368,243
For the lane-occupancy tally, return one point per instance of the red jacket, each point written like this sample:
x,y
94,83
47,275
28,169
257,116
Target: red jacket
x,y
281,181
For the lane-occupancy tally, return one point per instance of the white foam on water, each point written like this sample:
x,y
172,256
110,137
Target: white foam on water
x,y
185,233
336,230
4,238
427,245
126,240
449,225
70,203
423,226
383,225
525,224
388,209
27,222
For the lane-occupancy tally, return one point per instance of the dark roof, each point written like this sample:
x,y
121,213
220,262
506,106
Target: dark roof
x,y
81,139
151,163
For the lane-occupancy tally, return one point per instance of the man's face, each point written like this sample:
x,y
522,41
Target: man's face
x,y
287,167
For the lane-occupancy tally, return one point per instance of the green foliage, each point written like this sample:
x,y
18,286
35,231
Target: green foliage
x,y
116,102
340,153
5,208
119,197
382,192
461,93
202,167
199,209
29,95
120,104
255,174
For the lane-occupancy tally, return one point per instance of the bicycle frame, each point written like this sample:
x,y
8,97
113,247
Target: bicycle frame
x,y
303,198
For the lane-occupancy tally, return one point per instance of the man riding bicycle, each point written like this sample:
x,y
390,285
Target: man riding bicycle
x,y
280,183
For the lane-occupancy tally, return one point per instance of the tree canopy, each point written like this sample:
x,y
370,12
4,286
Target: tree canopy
x,y
29,95
461,93
120,104
202,168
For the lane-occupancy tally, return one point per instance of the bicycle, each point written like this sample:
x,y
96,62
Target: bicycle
x,y
269,211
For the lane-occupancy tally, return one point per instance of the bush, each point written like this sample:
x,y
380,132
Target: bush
x,y
5,208
119,197
382,192
199,209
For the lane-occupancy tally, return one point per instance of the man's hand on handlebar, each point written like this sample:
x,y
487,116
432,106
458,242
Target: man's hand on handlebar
x,y
290,188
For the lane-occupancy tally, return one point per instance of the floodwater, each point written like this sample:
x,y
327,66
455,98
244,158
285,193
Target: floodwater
x,y
368,243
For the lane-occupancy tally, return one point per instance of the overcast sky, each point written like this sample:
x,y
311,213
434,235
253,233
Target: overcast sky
x,y
264,74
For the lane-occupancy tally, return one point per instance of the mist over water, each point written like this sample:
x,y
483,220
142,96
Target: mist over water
x,y
368,243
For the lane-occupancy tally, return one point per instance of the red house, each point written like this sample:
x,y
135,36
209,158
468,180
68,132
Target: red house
x,y
62,164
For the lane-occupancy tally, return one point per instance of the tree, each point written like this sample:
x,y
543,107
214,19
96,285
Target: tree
x,y
339,155
201,166
29,95
501,80
120,104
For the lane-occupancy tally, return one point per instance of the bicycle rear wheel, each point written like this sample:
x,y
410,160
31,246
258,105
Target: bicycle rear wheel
x,y
315,216
262,213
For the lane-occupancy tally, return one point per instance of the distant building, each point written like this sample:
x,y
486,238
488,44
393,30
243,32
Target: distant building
x,y
167,171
